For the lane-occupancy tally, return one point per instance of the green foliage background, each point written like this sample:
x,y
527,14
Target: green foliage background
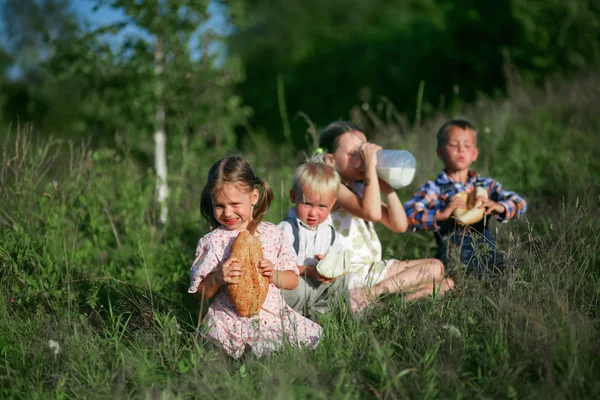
x,y
334,55
85,265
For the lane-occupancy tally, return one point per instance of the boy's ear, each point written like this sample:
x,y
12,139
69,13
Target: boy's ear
x,y
476,152
333,202
440,153
293,196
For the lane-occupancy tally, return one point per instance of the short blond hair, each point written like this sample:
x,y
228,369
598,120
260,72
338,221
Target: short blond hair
x,y
316,176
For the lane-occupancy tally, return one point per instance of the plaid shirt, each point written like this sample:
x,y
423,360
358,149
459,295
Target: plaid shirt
x,y
424,204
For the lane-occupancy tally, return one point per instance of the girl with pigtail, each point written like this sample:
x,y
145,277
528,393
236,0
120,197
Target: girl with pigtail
x,y
235,200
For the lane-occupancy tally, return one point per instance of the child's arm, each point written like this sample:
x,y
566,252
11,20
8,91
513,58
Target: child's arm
x,y
357,206
284,273
209,286
207,289
392,214
513,204
282,279
206,277
312,273
424,209
369,206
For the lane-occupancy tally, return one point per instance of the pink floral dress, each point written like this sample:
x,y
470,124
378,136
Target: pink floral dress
x,y
275,322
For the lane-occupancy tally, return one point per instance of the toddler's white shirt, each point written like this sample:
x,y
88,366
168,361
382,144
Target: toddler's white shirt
x,y
311,240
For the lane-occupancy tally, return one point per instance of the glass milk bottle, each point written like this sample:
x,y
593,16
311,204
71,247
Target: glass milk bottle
x,y
396,167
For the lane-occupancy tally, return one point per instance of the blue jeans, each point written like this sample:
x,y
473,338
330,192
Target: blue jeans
x,y
476,251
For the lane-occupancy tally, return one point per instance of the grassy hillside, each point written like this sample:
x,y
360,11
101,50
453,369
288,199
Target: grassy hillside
x,y
93,300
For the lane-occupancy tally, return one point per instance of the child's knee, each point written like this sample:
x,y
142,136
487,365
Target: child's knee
x,y
437,269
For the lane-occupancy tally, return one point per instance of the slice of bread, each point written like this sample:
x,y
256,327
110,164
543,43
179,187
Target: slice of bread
x,y
249,294
474,212
335,264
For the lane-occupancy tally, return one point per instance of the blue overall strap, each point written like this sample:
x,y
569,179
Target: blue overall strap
x,y
295,231
294,223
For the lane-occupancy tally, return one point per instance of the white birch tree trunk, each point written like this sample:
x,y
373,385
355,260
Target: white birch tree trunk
x,y
160,136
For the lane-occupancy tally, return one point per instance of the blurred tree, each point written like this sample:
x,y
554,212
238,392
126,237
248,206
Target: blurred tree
x,y
332,55
170,23
29,28
167,80
84,86
5,63
557,36
156,81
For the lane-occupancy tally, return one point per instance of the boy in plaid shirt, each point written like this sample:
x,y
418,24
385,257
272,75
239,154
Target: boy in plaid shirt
x,y
431,208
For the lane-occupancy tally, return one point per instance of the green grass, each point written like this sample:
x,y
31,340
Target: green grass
x,y
84,263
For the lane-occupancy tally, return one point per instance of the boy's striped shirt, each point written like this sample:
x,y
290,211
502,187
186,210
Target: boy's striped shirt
x,y
424,204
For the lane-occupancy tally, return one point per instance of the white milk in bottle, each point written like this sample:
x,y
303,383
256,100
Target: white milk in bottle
x,y
396,167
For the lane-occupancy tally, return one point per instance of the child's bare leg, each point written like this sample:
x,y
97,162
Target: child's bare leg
x,y
403,276
397,267
359,299
447,284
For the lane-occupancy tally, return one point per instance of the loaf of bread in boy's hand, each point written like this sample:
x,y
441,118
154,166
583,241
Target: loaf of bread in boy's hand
x,y
249,294
474,212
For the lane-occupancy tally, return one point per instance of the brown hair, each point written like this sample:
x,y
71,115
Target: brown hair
x,y
329,137
442,135
235,170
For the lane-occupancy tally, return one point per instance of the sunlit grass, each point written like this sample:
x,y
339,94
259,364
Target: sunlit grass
x,y
93,298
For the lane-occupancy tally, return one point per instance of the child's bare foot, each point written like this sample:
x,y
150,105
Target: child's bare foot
x,y
359,300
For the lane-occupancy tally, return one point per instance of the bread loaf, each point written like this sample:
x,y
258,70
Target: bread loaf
x,y
249,294
474,212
